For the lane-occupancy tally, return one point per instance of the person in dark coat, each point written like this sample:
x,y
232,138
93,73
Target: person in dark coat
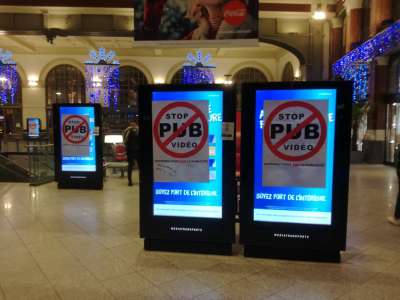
x,y
131,142
395,220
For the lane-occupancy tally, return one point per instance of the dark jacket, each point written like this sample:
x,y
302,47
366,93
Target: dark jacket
x,y
131,140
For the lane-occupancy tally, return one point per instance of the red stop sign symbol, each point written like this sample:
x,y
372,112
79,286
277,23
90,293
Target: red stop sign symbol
x,y
189,131
308,124
75,129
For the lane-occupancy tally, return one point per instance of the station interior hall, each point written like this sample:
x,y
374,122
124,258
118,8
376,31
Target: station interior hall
x,y
203,149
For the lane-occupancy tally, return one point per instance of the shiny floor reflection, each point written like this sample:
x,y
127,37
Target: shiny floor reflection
x,y
74,244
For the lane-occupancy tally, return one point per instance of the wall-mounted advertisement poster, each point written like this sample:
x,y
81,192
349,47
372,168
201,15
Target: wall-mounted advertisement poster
x,y
165,20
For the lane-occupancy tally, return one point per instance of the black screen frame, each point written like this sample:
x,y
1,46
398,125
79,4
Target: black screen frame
x,y
73,179
160,227
294,235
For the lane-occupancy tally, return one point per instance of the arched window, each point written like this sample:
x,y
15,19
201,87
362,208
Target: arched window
x,y
64,84
288,73
248,74
11,113
178,76
127,107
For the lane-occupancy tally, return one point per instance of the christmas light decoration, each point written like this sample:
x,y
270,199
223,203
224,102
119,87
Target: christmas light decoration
x,y
198,69
354,65
359,74
9,79
102,78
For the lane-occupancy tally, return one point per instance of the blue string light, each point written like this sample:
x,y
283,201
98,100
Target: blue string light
x,y
9,79
354,65
102,78
197,69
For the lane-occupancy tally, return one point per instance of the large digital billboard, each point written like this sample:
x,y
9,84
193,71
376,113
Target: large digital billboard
x,y
78,146
294,155
187,153
205,20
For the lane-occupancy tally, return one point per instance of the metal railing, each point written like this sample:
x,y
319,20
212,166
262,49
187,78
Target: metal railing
x,y
10,171
41,163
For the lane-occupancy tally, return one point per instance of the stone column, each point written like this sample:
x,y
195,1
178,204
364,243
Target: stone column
x,y
354,17
335,42
374,142
380,10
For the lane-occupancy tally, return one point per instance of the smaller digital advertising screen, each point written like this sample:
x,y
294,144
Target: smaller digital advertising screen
x,y
187,153
33,125
293,155
78,147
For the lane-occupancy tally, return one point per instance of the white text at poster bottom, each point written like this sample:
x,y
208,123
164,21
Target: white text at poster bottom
x,y
291,216
198,211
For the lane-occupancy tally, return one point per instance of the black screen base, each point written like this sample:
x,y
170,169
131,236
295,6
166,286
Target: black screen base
x,y
291,254
80,186
187,246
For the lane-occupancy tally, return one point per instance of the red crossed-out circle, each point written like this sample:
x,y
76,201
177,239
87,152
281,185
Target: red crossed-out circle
x,y
235,12
315,114
164,144
76,129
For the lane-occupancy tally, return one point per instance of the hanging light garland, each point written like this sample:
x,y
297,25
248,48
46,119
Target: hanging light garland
x,y
8,78
358,73
102,78
354,65
198,69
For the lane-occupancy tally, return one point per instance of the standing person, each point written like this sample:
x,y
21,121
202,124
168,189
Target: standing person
x,y
395,220
131,142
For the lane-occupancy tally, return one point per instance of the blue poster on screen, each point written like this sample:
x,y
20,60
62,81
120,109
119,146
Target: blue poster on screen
x,y
33,127
293,159
78,147
187,153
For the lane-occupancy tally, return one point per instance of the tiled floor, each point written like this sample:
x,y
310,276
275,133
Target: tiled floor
x,y
73,244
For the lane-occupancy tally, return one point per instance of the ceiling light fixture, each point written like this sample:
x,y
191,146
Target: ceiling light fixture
x,y
319,14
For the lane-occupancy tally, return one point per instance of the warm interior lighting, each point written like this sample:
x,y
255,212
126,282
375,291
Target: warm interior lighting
x,y
33,81
3,79
96,81
159,80
319,14
58,93
228,79
113,139
297,74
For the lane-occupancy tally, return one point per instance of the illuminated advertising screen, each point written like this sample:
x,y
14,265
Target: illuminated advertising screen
x,y
201,20
187,153
33,125
293,155
78,147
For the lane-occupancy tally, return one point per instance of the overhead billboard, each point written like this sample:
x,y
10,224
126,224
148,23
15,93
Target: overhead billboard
x,y
196,20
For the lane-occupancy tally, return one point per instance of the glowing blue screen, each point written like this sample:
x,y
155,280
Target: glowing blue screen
x,y
293,198
195,199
